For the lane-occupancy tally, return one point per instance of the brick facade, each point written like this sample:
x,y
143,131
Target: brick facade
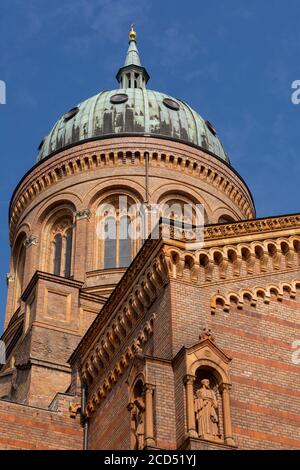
x,y
255,332
31,428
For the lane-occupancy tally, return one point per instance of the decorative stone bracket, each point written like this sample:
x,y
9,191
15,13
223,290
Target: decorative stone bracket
x,y
82,214
32,240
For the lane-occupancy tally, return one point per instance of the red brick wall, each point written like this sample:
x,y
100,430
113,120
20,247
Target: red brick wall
x,y
24,427
110,426
265,383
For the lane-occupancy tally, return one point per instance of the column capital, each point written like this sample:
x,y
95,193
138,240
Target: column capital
x,y
30,241
82,214
189,379
149,387
10,278
224,386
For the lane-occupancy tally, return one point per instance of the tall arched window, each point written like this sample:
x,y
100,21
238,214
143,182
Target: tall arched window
x,y
124,243
19,261
117,243
68,256
57,254
183,209
226,219
110,243
61,253
115,226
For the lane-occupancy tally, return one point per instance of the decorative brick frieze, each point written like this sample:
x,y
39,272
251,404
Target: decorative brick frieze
x,y
176,157
252,296
234,260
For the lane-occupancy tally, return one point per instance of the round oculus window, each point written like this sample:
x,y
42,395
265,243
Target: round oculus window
x,y
70,114
119,98
211,127
171,104
42,143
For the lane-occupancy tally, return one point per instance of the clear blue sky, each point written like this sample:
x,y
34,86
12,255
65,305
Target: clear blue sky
x,y
233,61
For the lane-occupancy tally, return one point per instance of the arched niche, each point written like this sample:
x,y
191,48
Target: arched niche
x,y
207,389
141,408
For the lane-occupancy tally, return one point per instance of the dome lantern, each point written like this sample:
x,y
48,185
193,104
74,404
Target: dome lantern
x,y
132,74
132,110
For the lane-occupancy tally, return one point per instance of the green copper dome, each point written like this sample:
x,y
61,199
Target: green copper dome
x,y
132,110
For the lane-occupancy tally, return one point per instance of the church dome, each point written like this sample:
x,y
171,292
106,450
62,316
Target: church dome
x,y
132,110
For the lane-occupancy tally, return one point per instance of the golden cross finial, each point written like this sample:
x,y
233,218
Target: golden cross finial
x,y
132,33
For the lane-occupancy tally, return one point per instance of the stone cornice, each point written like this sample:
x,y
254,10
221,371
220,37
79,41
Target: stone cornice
x,y
255,226
15,320
92,297
40,275
27,363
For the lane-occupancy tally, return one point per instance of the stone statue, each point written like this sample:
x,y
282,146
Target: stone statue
x,y
206,409
138,421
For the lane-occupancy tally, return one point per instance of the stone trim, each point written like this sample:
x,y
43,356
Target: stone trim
x,y
49,277
236,229
209,264
223,302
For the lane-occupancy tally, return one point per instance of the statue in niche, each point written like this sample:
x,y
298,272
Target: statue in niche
x,y
206,409
137,409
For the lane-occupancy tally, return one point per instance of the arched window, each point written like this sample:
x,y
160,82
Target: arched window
x,y
68,257
19,262
226,219
57,254
61,252
183,209
110,243
117,243
124,243
115,226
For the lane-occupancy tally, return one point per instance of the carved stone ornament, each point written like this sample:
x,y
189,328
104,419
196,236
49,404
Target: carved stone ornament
x,y
31,240
206,333
82,214
74,409
137,409
207,412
